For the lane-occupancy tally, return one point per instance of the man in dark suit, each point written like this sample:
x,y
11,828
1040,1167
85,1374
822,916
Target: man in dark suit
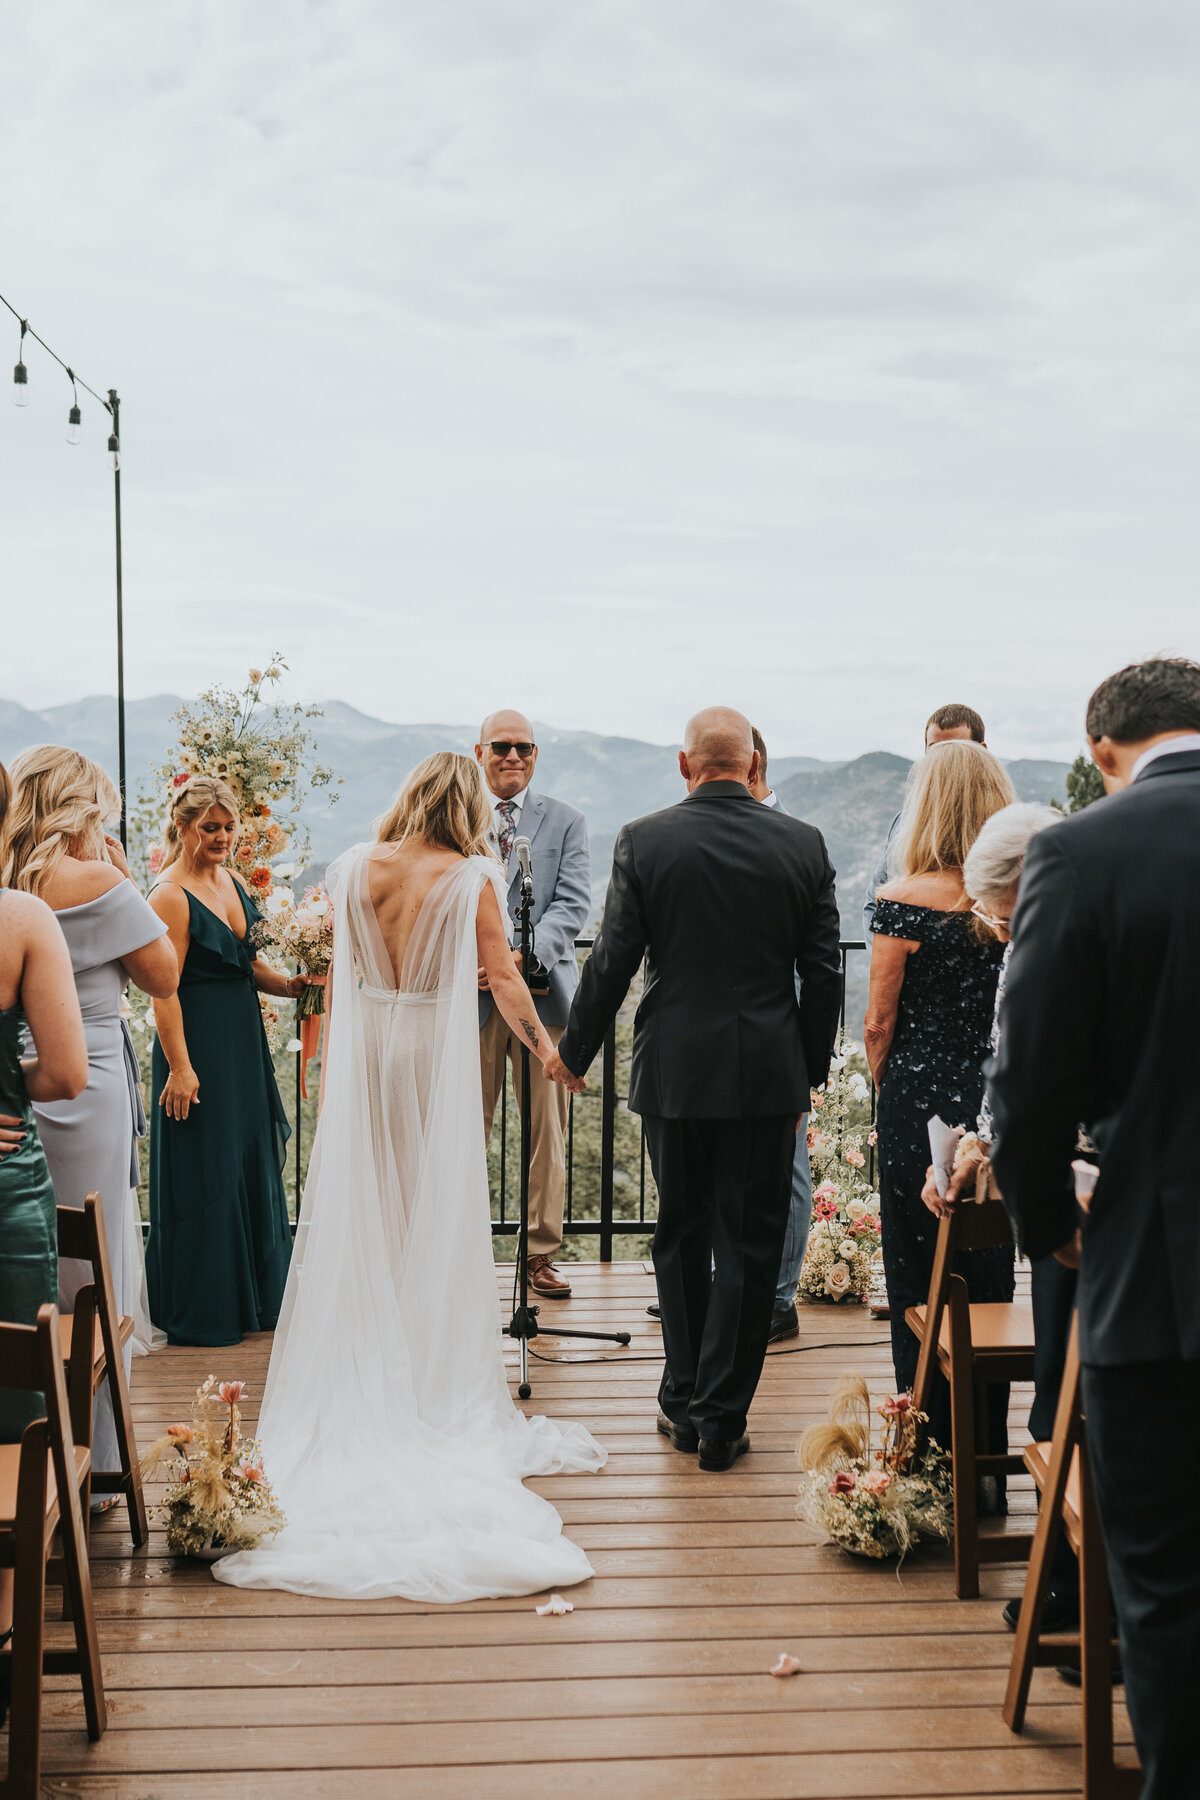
x,y
1100,1024
727,901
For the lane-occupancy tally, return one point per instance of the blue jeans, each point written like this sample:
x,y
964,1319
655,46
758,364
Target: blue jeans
x,y
799,1220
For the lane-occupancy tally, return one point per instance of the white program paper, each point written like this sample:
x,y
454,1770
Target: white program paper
x,y
943,1145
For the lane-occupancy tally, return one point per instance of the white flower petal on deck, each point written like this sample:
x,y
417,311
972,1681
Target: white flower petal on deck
x,y
787,1665
556,1604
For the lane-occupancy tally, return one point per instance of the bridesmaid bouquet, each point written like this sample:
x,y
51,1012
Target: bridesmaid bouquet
x,y
304,930
873,1503
218,1498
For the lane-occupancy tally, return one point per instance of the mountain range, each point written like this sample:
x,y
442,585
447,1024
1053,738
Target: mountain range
x,y
610,779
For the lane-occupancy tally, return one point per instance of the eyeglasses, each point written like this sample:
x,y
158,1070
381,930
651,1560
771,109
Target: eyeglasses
x,y
502,747
994,924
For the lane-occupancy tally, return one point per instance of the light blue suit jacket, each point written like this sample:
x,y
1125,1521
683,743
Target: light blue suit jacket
x,y
562,898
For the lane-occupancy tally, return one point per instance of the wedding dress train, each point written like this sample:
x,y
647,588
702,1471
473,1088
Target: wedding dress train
x,y
387,1424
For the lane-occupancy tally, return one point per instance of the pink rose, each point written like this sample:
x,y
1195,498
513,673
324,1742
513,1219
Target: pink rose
x,y
877,1482
855,1158
842,1483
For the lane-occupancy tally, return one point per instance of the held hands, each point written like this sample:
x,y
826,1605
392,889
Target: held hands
x,y
555,1069
181,1092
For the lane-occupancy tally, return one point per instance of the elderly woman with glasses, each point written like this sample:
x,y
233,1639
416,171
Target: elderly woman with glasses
x,y
992,876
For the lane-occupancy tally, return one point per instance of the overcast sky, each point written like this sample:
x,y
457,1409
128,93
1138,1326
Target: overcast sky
x,y
832,360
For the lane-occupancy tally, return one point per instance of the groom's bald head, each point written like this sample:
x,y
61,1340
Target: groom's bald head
x,y
718,745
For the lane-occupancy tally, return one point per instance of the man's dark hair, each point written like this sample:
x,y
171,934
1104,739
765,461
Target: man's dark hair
x,y
757,735
1142,699
954,717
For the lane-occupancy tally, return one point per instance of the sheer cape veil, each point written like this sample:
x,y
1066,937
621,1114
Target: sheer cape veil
x,y
387,1424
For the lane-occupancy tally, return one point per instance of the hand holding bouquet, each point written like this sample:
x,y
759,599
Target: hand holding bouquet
x,y
305,932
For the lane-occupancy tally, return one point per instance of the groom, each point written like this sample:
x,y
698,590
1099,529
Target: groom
x,y
727,901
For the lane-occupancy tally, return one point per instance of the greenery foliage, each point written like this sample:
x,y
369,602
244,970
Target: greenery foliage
x,y
1084,784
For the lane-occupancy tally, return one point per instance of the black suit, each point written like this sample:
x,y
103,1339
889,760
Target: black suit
x,y
727,901
1101,1023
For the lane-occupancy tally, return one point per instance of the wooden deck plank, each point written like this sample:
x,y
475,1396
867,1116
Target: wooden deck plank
x,y
656,1687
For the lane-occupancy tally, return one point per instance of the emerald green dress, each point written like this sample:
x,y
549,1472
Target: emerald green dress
x,y
28,1226
220,1238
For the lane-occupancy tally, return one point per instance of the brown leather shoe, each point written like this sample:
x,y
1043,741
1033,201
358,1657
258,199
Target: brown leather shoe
x,y
545,1279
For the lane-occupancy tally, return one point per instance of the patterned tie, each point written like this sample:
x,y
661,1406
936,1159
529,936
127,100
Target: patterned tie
x,y
508,830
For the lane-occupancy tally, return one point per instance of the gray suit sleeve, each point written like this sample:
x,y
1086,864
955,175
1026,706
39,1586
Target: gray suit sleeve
x,y
878,880
567,913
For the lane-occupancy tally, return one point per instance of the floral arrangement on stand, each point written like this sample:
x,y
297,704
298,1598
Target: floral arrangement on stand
x,y
303,930
265,753
874,1503
218,1498
844,1237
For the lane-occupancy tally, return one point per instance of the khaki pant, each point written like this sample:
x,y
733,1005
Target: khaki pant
x,y
548,1102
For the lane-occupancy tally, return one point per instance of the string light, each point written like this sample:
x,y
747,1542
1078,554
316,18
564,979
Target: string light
x,y
74,417
21,373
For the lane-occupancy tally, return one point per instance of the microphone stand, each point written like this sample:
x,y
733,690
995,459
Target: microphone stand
x,y
523,1326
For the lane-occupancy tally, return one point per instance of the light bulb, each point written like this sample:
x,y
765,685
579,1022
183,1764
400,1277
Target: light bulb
x,y
74,419
114,451
20,385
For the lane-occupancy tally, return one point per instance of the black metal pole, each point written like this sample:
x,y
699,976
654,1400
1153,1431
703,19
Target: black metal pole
x,y
115,405
608,1131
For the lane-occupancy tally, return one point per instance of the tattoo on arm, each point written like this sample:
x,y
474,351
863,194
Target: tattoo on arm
x,y
530,1031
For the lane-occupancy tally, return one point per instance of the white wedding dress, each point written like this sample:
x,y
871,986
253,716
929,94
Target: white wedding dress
x,y
388,1428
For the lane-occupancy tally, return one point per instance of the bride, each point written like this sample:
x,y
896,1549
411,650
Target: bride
x,y
388,1429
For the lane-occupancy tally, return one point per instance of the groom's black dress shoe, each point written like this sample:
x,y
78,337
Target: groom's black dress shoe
x,y
654,1310
785,1323
721,1453
682,1436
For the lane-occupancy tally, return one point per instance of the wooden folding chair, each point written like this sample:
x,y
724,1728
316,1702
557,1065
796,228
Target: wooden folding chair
x,y
972,1343
43,1480
81,1235
1068,1502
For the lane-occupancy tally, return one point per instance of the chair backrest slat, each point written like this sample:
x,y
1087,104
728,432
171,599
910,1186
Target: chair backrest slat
x,y
20,1357
982,1225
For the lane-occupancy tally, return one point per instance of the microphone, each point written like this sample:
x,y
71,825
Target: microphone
x,y
522,851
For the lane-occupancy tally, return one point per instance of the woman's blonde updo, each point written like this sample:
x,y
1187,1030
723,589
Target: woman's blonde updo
x,y
191,802
61,802
442,802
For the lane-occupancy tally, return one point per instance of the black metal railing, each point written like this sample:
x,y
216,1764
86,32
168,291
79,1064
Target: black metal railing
x,y
610,1214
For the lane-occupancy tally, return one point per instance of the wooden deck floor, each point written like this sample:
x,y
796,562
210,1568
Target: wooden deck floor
x,y
656,1685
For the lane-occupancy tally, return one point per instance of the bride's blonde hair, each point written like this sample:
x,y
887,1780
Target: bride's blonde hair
x,y
441,802
61,802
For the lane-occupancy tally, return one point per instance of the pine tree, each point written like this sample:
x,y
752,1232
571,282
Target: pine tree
x,y
1084,784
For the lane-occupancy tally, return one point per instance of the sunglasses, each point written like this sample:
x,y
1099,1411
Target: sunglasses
x,y
502,747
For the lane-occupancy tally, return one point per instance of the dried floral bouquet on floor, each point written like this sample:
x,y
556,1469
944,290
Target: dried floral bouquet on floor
x,y
218,1497
877,1503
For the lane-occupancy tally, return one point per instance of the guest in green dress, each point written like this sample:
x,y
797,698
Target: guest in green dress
x,y
220,1236
37,988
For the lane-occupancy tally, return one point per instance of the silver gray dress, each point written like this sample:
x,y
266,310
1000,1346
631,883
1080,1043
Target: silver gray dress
x,y
91,1141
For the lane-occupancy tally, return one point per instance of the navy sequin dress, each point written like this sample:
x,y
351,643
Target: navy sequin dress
x,y
935,1065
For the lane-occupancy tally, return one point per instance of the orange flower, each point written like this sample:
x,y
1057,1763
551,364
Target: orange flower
x,y
260,879
182,1434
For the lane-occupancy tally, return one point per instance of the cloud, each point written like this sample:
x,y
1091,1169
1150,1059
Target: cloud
x,y
611,358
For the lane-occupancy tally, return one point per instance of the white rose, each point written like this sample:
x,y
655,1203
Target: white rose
x,y
856,1209
858,1087
837,1282
873,1204
846,1249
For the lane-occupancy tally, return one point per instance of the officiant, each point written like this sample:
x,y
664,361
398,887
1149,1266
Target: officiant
x,y
562,873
